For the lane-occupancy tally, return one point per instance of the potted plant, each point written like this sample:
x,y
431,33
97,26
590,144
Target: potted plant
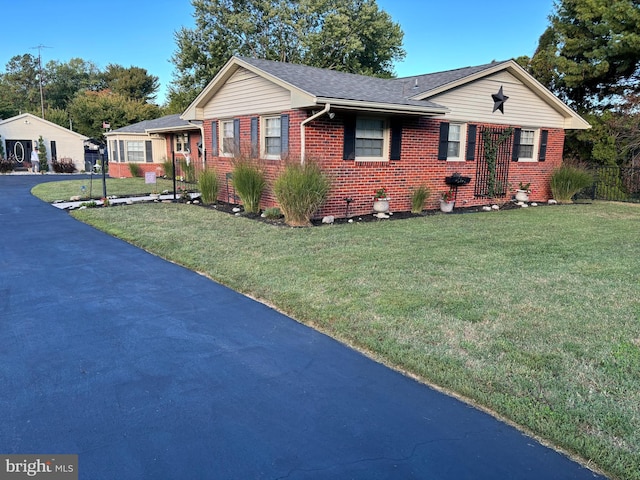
x,y
523,191
447,201
381,200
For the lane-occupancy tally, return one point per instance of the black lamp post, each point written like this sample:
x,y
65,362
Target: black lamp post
x,y
104,173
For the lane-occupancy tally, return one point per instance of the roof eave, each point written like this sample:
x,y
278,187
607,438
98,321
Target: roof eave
x,y
341,103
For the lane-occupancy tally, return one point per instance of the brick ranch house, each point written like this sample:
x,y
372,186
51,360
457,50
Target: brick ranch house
x,y
368,133
150,142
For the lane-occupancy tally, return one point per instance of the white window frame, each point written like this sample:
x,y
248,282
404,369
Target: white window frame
x,y
535,147
137,150
223,124
462,142
264,135
385,140
181,139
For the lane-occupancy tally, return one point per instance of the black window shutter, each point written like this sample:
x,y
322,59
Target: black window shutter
x,y
544,138
396,139
284,134
515,152
349,146
471,142
147,151
236,136
254,137
443,144
54,150
214,138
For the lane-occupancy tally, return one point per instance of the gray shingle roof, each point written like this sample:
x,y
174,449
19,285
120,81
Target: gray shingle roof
x,y
168,121
326,83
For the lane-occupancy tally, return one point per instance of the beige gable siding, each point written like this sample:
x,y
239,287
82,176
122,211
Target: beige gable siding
x,y
473,103
246,93
68,144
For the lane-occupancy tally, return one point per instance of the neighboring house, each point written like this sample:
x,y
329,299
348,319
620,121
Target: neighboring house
x,y
20,136
368,133
151,142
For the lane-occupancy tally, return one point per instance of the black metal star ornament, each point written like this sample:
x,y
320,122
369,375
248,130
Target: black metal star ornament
x,y
498,100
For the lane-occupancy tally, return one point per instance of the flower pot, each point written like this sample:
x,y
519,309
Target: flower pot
x,y
446,207
381,205
522,195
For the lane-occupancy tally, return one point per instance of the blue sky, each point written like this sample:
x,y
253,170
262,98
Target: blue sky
x,y
438,35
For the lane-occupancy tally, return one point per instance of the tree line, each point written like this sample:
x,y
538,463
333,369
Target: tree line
x,y
77,94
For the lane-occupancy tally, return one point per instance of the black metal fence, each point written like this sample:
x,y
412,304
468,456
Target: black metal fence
x,y
620,184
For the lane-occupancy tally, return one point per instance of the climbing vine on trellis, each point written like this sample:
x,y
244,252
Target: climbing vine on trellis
x,y
491,147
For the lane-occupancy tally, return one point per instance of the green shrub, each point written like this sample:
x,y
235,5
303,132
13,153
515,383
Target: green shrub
x,y
249,183
418,197
272,213
135,169
568,180
188,171
208,186
167,166
300,191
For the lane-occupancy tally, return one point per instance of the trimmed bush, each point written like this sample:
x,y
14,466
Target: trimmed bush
x,y
135,169
208,186
300,191
418,197
272,213
249,183
568,180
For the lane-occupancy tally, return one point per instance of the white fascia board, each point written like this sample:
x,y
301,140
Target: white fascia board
x,y
383,107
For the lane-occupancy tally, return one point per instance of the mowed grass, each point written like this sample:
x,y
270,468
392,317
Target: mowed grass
x,y
533,314
52,191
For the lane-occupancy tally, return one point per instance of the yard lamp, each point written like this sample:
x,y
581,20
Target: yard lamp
x,y
104,178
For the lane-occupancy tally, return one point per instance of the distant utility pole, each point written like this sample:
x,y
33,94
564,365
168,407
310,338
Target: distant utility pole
x,y
40,47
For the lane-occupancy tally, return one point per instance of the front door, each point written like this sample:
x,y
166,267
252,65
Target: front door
x,y
19,151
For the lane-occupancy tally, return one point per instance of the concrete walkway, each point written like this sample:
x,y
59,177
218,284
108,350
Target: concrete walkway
x,y
149,371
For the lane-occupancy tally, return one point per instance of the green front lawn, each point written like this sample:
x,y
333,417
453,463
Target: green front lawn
x,y
52,191
532,313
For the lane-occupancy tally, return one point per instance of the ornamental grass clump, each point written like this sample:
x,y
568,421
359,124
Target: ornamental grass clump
x,y
208,186
568,180
135,170
418,197
300,191
249,183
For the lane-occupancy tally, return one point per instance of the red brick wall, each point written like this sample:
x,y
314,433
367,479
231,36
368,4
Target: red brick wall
x,y
418,165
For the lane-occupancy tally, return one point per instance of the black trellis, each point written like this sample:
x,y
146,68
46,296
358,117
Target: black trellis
x,y
494,157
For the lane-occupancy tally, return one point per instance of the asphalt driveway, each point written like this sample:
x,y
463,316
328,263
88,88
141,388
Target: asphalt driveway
x,y
147,370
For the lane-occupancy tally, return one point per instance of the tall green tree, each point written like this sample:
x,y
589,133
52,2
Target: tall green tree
x,y
590,53
20,86
64,80
89,110
134,83
348,35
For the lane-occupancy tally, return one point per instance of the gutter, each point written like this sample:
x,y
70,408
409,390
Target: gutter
x,y
327,107
200,126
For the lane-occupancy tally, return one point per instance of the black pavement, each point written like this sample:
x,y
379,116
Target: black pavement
x,y
149,371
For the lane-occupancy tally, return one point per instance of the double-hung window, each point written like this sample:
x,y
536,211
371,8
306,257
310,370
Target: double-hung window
x,y
272,137
228,141
527,142
370,139
453,146
182,142
135,151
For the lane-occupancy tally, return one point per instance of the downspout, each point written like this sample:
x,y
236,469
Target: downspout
x,y
327,107
200,126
